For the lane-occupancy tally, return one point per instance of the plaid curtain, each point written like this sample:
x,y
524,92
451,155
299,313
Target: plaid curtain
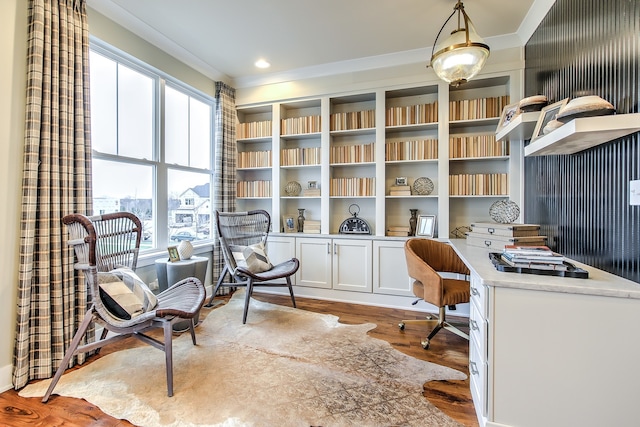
x,y
56,181
224,186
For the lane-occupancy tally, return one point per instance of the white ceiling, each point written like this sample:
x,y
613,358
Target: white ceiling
x,y
223,38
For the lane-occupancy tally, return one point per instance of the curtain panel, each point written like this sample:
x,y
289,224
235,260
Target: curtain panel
x,y
224,185
56,181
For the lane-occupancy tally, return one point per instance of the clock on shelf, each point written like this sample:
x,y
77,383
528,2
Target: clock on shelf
x,y
354,225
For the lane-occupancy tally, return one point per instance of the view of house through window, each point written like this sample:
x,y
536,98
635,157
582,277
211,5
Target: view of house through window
x,y
165,182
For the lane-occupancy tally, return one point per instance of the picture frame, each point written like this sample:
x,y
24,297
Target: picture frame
x,y
509,112
312,185
173,253
289,223
426,225
547,114
402,180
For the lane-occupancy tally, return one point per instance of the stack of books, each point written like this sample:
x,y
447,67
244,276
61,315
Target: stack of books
x,y
400,190
311,227
312,192
398,230
534,257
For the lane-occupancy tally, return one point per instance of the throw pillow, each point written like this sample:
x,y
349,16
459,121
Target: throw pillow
x,y
253,258
124,294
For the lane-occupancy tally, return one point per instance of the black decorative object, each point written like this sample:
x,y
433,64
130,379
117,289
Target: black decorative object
x,y
300,220
413,221
354,225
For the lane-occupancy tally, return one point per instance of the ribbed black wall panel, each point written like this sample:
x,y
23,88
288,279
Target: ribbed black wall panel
x,y
586,47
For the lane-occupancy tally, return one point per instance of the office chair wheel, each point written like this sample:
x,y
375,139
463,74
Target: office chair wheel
x,y
425,344
401,326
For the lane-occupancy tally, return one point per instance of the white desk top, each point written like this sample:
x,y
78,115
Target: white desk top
x,y
599,282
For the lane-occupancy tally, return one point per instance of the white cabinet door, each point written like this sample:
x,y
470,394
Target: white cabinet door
x,y
315,257
352,265
390,275
280,249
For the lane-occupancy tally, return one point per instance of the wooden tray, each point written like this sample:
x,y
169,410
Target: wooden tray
x,y
572,270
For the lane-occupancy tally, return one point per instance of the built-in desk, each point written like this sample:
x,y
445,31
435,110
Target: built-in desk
x,y
552,351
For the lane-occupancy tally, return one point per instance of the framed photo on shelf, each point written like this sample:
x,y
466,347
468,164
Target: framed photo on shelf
x,y
173,253
547,114
509,112
402,180
426,225
289,223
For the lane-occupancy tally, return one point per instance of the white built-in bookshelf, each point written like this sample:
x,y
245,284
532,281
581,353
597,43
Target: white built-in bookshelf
x,y
353,148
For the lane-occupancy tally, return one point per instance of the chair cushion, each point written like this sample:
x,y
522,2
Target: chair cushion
x,y
253,258
124,294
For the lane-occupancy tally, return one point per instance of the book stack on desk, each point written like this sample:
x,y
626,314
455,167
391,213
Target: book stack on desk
x,y
534,257
497,236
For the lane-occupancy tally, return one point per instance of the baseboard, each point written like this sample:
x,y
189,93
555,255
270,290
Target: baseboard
x,y
6,383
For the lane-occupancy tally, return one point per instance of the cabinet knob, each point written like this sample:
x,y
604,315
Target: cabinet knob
x,y
474,291
473,325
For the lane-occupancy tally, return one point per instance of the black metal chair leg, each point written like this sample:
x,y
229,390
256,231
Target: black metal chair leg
x,y
293,299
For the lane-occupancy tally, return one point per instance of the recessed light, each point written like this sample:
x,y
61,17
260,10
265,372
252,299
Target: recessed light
x,y
261,63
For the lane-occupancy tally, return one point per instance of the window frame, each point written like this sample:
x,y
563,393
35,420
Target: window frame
x,y
160,169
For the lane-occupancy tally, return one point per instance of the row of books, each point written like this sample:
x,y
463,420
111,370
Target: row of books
x,y
253,189
535,257
477,146
254,159
412,114
482,108
311,226
254,129
421,149
353,120
300,125
300,156
483,184
352,187
361,153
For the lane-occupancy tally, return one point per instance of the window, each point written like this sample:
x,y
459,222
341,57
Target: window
x,y
152,148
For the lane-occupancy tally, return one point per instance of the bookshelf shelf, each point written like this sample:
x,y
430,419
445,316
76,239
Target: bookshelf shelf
x,y
580,134
520,128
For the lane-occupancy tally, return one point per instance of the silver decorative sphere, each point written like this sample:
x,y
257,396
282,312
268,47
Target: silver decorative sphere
x,y
504,211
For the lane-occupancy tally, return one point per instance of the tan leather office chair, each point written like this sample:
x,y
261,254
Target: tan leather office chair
x,y
427,258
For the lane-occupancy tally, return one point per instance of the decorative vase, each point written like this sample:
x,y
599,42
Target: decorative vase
x,y
185,249
300,220
413,222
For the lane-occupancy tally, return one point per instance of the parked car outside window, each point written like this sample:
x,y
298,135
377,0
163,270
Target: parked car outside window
x,y
183,235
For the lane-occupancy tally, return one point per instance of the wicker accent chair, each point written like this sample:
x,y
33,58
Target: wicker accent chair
x,y
102,243
245,229
426,258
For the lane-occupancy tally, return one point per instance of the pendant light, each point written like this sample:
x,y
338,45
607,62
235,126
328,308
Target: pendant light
x,y
462,55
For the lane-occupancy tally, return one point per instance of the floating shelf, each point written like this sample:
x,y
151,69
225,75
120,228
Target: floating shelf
x,y
520,128
580,134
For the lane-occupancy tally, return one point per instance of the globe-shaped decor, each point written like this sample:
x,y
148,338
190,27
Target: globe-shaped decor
x,y
293,188
185,250
504,211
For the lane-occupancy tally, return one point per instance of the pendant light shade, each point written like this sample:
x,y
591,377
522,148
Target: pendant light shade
x,y
462,55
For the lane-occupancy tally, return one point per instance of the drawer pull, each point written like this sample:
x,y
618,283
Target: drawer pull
x,y
473,325
487,243
491,230
475,291
473,368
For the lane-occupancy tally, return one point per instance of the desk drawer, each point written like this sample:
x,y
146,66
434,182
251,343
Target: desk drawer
x,y
478,329
478,370
480,295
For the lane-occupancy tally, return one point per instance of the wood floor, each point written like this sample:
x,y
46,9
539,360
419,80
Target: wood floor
x,y
452,397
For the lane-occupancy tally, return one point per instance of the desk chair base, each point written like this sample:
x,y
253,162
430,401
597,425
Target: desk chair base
x,y
441,323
